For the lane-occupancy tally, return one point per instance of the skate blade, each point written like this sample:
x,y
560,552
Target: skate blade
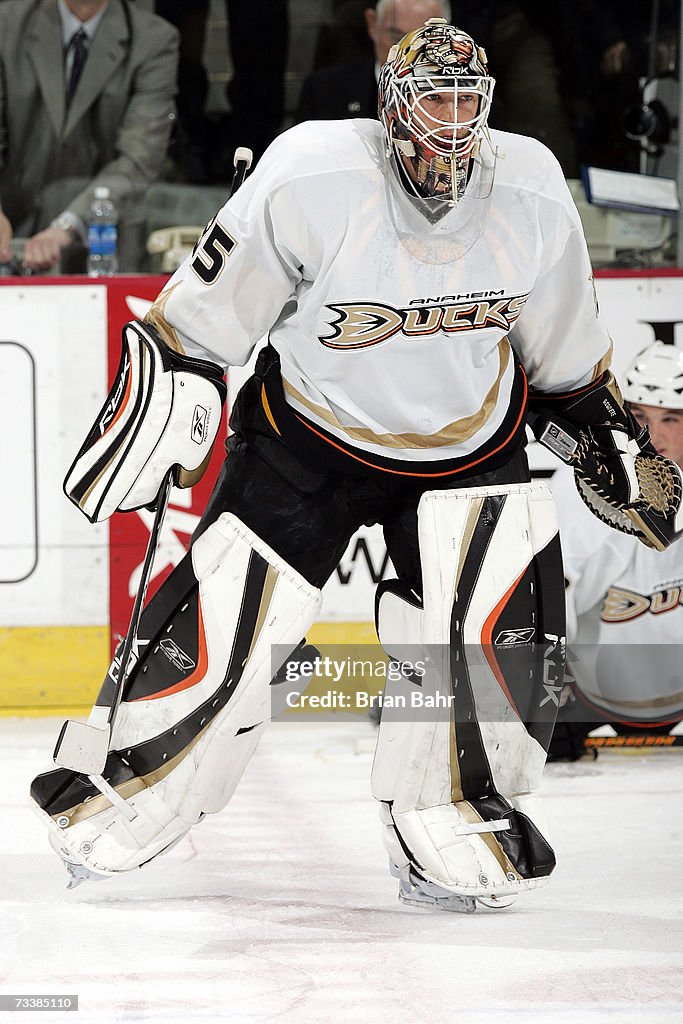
x,y
78,874
497,902
452,904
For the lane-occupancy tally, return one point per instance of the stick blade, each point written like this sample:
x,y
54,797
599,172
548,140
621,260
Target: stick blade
x,y
82,748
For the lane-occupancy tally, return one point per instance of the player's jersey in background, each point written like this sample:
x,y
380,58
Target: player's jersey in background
x,y
383,349
624,614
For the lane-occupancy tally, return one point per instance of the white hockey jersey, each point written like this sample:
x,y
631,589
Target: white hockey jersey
x,y
384,350
624,614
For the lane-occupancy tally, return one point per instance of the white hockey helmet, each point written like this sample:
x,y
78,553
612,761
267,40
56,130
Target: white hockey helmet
x,y
655,377
425,75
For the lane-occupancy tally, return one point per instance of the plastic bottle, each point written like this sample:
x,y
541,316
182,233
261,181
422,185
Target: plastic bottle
x,y
102,235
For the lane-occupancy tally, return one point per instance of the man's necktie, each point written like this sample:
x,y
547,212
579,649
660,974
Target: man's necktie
x,y
78,45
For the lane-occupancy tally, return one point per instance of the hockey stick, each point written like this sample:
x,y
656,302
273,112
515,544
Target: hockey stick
x,y
83,748
241,162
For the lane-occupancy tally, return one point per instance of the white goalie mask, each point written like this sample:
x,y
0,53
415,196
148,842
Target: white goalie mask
x,y
655,377
435,96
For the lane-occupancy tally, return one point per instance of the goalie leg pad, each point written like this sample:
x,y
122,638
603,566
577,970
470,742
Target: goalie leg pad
x,y
195,706
163,411
457,774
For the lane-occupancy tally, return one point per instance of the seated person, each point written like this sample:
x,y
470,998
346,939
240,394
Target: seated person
x,y
86,98
350,90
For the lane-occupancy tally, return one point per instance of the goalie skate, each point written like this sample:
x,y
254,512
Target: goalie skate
x,y
414,891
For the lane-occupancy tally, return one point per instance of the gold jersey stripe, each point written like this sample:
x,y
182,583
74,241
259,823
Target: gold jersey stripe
x,y
604,363
155,316
452,434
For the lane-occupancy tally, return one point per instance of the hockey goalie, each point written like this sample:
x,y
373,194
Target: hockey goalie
x,y
423,282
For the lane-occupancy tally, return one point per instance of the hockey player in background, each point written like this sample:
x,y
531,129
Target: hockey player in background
x,y
624,601
414,276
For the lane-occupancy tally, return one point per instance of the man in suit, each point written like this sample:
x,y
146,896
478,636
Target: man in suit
x,y
87,93
350,90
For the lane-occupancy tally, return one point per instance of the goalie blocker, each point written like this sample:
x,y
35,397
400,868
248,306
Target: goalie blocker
x,y
163,411
617,470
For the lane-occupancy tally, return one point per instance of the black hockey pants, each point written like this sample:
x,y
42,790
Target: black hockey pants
x,y
309,516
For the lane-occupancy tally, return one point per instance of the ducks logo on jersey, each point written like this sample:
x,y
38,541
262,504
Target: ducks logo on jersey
x,y
363,324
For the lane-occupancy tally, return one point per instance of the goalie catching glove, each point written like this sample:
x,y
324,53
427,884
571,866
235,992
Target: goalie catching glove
x,y
163,411
617,470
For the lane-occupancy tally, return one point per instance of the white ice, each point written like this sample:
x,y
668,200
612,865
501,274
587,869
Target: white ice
x,y
281,909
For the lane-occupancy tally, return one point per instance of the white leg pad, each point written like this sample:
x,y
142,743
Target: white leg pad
x,y
457,781
178,751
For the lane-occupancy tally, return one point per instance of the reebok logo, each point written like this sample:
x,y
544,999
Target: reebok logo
x,y
514,637
175,655
200,423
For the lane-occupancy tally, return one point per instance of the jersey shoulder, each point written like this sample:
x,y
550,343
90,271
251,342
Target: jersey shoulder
x,y
325,147
525,164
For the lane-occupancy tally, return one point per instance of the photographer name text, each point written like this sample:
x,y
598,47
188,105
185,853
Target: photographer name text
x,y
339,700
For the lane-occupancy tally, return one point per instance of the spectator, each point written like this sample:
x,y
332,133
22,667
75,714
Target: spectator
x,y
626,46
343,37
629,39
528,45
624,609
86,99
350,90
258,32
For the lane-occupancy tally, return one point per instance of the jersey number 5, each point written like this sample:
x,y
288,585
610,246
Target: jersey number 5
x,y
208,258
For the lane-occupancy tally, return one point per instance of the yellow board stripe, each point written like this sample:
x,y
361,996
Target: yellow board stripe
x,y
342,633
52,669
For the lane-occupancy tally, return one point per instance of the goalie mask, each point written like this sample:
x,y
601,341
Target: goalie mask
x,y
655,377
434,101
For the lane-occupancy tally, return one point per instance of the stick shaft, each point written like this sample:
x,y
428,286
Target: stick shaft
x,y
242,163
131,635
243,159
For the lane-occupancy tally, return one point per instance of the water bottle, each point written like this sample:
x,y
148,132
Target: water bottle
x,y
102,235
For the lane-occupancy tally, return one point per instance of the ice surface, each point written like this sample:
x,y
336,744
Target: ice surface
x,y
281,908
